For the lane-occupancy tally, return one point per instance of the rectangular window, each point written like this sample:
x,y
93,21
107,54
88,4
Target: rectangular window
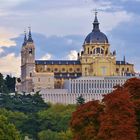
x,y
38,79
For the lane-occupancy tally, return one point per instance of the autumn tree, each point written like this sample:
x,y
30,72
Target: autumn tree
x,y
84,122
133,87
118,120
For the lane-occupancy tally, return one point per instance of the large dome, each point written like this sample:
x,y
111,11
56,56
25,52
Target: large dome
x,y
96,36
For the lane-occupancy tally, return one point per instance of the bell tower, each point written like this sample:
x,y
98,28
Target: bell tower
x,y
27,62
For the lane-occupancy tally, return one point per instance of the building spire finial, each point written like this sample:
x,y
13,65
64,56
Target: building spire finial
x,y
124,59
30,35
96,13
95,23
25,38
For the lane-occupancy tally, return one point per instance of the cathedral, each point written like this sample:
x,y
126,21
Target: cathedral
x,y
95,60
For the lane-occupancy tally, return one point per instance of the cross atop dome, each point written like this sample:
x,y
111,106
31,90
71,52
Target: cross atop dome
x,y
96,36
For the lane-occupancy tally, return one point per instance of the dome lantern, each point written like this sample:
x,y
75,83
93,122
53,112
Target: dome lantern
x,y
96,23
96,36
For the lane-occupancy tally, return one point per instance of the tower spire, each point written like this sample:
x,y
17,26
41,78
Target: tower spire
x,y
124,59
30,35
96,23
25,38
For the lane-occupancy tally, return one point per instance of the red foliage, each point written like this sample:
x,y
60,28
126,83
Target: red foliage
x,y
118,120
133,87
84,123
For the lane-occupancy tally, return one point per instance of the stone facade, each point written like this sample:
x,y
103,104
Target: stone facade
x,y
89,87
95,60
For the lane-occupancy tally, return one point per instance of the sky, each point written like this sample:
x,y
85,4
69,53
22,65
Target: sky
x,y
59,28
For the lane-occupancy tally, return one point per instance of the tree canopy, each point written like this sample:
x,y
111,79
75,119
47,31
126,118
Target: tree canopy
x,y
8,130
133,87
24,103
7,85
118,120
84,122
80,100
117,116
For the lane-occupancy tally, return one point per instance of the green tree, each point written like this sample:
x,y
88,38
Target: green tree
x,y
67,135
80,100
3,87
30,126
10,83
7,130
48,135
23,103
56,118
51,135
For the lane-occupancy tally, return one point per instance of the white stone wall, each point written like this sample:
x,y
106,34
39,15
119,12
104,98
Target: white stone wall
x,y
89,87
54,95
62,96
97,85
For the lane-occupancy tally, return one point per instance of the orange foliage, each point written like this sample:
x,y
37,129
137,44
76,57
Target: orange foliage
x,y
85,122
133,87
118,119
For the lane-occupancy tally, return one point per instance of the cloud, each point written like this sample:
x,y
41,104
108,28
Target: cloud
x,y
72,55
6,39
60,27
1,50
7,43
108,23
57,46
71,16
46,57
10,64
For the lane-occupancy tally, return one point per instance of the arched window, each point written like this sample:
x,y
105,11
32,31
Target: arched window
x,y
98,50
88,50
102,51
30,74
70,69
63,69
117,69
56,69
30,51
38,79
94,51
48,69
78,69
